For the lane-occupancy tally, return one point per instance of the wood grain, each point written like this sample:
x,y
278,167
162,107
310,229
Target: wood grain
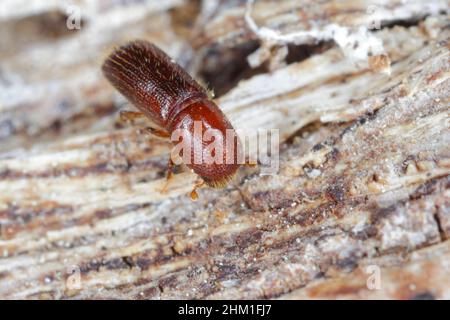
x,y
363,180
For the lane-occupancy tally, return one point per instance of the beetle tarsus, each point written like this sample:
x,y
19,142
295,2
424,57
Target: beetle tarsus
x,y
168,175
250,162
194,193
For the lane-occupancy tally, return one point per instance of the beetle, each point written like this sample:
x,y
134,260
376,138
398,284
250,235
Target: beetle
x,y
166,94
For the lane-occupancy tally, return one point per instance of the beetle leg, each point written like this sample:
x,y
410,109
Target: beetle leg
x,y
250,163
169,174
157,132
130,116
198,185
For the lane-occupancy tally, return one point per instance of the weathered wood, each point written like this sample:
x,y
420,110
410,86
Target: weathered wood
x,y
364,164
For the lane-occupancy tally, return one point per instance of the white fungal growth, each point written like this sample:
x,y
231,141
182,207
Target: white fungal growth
x,y
356,44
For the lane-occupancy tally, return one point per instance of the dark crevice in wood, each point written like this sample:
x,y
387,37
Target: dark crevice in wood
x,y
223,68
298,53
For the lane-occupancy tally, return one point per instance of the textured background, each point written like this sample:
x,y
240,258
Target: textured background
x,y
365,158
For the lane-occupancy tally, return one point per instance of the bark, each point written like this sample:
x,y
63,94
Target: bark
x,y
363,184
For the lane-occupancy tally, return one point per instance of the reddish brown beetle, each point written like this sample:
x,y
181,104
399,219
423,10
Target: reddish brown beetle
x,y
167,94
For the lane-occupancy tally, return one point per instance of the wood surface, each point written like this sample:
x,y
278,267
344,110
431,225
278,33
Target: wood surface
x,y
363,187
